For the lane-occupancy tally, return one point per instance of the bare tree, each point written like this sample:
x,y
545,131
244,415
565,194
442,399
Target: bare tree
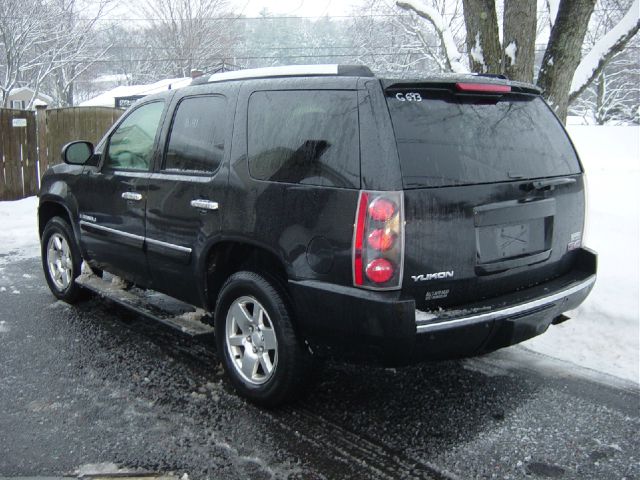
x,y
564,68
433,12
614,95
483,42
519,26
129,55
42,39
81,49
20,24
186,34
563,53
604,49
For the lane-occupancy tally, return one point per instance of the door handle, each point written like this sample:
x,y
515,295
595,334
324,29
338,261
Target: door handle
x,y
204,204
132,196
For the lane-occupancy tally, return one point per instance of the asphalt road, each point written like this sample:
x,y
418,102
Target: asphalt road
x,y
93,383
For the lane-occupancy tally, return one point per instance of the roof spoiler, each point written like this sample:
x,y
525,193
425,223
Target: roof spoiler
x,y
464,84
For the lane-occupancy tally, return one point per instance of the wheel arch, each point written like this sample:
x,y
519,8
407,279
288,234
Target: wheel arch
x,y
227,257
50,207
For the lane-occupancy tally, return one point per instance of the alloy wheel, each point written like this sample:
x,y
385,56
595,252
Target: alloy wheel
x,y
251,340
59,261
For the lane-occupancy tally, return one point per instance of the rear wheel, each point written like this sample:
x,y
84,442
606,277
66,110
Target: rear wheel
x,y
256,341
61,259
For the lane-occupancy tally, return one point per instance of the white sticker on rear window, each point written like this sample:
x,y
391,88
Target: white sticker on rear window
x,y
409,97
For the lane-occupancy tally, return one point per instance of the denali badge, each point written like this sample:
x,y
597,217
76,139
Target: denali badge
x,y
437,294
432,276
88,218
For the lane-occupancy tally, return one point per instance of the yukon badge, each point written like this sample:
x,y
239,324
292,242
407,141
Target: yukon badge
x,y
432,276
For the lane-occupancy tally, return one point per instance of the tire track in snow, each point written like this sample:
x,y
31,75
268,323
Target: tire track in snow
x,y
377,460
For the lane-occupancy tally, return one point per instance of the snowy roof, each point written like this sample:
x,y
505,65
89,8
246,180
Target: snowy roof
x,y
107,99
44,97
118,77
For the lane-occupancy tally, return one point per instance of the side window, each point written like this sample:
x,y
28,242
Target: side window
x,y
305,136
131,145
196,142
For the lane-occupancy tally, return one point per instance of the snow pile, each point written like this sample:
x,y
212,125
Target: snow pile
x,y
603,333
510,52
477,54
19,232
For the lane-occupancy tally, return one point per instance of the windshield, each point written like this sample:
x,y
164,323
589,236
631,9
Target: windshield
x,y
445,139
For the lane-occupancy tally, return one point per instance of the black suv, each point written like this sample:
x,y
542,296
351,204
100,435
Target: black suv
x,y
320,210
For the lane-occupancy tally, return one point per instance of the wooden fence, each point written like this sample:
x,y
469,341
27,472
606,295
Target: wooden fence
x,y
31,142
64,125
18,154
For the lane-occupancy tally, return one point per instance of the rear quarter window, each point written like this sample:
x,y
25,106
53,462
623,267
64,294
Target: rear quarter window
x,y
445,139
304,137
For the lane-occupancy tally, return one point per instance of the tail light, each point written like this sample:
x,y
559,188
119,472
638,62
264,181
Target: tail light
x,y
378,241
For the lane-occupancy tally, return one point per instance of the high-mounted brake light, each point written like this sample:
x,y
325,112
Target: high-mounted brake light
x,y
483,88
378,241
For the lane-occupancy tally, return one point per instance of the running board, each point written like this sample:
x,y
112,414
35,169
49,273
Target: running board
x,y
153,305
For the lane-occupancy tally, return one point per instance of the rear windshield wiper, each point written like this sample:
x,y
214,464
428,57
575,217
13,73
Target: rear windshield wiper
x,y
547,184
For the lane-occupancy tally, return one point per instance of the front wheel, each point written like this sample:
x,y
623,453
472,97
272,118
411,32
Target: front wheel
x,y
61,259
260,352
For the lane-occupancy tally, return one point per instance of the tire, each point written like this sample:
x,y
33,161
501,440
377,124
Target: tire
x,y
61,260
263,358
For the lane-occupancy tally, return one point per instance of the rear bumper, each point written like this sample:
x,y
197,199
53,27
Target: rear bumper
x,y
353,323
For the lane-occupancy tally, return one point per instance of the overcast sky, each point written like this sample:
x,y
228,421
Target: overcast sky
x,y
252,8
298,8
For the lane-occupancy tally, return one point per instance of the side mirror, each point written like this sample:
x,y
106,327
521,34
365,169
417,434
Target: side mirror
x,y
77,153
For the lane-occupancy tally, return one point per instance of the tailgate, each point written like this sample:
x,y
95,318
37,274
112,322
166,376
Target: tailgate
x,y
465,244
494,192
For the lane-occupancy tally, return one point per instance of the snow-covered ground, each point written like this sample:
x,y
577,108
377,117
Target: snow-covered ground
x,y
604,332
19,230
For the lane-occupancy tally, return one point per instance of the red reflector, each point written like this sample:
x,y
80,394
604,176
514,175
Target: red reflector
x,y
380,270
381,240
382,209
483,87
359,240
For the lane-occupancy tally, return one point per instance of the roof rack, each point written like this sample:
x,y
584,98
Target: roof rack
x,y
294,71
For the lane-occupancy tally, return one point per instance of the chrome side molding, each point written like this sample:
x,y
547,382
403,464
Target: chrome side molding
x,y
87,227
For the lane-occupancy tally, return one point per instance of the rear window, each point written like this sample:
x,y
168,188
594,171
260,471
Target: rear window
x,y
445,139
305,136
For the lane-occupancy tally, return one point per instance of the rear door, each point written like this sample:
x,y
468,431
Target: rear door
x,y
112,197
494,194
187,191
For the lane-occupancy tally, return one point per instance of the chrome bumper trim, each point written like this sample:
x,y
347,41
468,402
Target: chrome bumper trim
x,y
430,323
